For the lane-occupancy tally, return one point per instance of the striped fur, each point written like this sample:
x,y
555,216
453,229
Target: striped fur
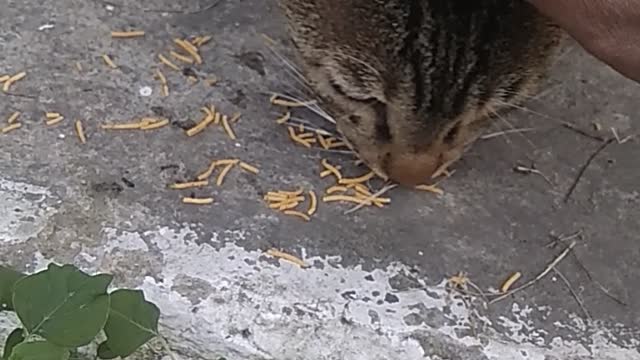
x,y
412,83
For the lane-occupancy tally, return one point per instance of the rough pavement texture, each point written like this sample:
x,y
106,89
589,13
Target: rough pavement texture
x,y
376,287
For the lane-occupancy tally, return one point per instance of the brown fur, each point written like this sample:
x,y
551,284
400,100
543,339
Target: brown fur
x,y
412,83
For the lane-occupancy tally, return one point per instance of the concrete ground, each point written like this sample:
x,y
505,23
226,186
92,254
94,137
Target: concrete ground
x,y
376,287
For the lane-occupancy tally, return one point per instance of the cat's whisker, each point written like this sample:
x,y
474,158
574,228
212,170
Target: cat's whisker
x,y
493,111
506,132
562,55
362,62
526,109
531,97
312,105
297,73
310,126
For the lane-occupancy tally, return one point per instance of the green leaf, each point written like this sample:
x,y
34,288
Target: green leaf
x,y
62,304
104,352
39,350
8,278
15,338
132,322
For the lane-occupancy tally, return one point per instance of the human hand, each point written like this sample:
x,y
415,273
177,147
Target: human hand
x,y
608,29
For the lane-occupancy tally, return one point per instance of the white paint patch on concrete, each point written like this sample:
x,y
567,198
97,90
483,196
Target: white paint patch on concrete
x,y
258,310
23,211
255,308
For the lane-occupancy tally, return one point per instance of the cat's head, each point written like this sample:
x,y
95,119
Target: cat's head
x,y
412,84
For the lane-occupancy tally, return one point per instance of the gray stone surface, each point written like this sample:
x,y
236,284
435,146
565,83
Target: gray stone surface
x,y
376,287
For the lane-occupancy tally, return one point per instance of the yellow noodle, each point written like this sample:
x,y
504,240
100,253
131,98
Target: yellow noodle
x,y
127,34
189,185
197,201
168,62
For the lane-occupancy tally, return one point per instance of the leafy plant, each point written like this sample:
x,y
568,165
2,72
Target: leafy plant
x,y
62,308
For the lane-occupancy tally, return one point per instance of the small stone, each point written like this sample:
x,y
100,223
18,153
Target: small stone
x,y
146,91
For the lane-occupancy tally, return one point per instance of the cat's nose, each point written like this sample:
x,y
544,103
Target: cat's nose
x,y
413,169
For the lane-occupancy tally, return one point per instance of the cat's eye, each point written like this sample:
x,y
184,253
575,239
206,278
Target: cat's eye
x,y
338,88
352,94
452,134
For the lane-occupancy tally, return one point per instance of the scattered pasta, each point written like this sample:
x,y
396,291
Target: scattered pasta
x,y
304,141
225,171
13,117
227,128
12,127
249,168
298,214
181,57
313,205
197,201
52,115
80,132
155,125
13,79
189,185
330,169
107,60
168,62
287,257
127,34
510,281
430,188
284,118
346,198
163,82
190,49
201,40
54,121
290,104
358,180
208,119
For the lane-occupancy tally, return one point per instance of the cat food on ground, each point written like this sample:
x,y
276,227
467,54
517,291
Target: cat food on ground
x,y
287,257
227,128
80,132
430,188
330,169
190,49
208,119
13,117
249,168
298,214
155,125
107,60
224,173
127,34
358,180
13,79
313,204
197,201
286,103
11,127
163,82
284,118
189,185
510,281
183,58
168,62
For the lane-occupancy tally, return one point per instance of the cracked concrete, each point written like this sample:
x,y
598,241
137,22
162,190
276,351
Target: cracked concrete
x,y
376,287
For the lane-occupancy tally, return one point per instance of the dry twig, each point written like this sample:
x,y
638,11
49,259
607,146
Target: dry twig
x,y
540,276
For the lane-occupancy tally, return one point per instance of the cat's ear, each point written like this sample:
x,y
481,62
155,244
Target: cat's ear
x,y
355,78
